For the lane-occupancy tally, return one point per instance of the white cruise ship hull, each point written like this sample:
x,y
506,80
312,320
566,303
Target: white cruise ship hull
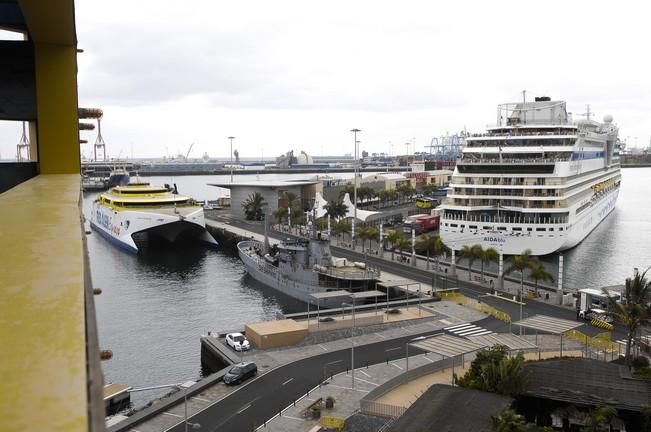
x,y
554,238
132,230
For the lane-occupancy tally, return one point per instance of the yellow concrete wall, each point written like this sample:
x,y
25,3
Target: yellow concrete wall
x,y
43,384
56,103
272,340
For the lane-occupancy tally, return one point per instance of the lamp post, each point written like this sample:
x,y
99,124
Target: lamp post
x,y
354,131
182,386
352,343
231,138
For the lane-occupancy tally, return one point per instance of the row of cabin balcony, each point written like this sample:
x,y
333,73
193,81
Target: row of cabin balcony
x,y
497,193
515,203
526,131
507,181
511,161
534,141
503,217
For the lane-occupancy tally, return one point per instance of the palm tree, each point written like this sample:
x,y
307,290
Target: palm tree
x,y
341,227
280,214
393,237
509,421
254,206
471,253
403,245
633,310
600,417
520,263
336,209
321,224
431,244
538,273
362,234
487,256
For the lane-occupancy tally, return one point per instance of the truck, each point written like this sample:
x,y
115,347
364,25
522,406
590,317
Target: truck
x,y
421,223
593,303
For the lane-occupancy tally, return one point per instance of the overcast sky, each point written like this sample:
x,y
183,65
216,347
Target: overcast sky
x,y
282,75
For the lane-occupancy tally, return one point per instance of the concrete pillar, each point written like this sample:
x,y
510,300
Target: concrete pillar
x,y
453,264
500,272
56,100
413,247
560,278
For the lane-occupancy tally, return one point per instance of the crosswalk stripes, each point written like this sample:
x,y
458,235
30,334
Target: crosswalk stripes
x,y
467,329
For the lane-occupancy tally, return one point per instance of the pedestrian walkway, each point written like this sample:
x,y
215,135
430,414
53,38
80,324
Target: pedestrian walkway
x,y
467,330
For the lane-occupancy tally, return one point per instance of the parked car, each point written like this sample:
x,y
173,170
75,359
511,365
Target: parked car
x,y
240,372
237,341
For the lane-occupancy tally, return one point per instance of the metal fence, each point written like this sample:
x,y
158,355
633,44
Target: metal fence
x,y
381,409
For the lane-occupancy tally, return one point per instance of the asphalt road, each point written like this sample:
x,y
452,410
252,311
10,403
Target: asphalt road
x,y
260,399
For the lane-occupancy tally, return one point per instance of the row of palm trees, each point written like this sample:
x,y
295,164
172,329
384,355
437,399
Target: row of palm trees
x,y
402,192
518,263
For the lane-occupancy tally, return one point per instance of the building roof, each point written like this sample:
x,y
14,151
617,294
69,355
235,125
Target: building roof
x,y
548,324
587,382
511,341
266,183
451,409
448,346
384,176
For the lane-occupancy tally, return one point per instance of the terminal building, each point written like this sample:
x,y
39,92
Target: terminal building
x,y
274,193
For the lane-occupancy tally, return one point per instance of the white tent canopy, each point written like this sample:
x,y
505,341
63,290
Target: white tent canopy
x,y
320,203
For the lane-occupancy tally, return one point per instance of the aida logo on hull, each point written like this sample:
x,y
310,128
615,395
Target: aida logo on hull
x,y
494,240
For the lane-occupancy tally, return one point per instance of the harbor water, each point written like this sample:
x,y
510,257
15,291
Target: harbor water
x,y
153,308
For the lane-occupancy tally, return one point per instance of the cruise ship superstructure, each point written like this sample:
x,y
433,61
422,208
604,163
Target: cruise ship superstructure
x,y
537,180
138,215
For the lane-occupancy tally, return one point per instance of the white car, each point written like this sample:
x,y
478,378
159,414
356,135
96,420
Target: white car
x,y
238,342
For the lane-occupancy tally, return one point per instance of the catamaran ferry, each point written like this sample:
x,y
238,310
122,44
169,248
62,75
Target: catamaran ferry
x,y
136,215
537,180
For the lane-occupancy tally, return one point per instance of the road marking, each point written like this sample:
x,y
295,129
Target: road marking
x,y
380,336
288,381
429,359
172,414
366,381
201,399
348,388
294,418
397,366
244,409
393,349
444,321
323,348
361,371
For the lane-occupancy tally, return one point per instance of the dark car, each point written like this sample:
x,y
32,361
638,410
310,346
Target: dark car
x,y
240,372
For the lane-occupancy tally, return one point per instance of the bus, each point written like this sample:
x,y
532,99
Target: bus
x,y
426,203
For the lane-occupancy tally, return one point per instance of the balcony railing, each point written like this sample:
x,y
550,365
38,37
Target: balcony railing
x,y
447,216
528,161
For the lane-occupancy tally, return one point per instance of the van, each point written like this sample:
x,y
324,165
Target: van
x,y
240,372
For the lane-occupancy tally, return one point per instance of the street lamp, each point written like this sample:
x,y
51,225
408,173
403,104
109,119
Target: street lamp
x,y
231,138
354,131
182,386
352,342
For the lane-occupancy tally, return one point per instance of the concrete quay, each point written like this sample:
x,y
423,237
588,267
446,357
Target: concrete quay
x,y
169,411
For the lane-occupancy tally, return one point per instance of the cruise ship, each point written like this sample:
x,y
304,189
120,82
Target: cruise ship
x,y
138,215
536,180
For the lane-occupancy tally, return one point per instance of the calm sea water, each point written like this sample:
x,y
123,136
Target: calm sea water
x,y
154,308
